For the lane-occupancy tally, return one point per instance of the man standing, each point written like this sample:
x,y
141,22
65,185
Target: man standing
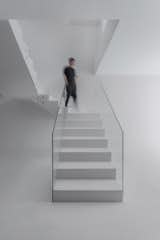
x,y
69,77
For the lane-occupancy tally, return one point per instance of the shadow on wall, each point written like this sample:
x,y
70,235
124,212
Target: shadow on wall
x,y
25,152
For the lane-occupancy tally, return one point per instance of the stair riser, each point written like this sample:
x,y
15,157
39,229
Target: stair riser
x,y
79,124
84,143
86,173
87,196
85,156
81,132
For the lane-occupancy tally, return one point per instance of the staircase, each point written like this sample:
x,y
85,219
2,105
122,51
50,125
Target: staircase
x,y
86,170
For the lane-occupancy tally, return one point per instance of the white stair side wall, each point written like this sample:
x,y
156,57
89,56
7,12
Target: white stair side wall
x,y
17,31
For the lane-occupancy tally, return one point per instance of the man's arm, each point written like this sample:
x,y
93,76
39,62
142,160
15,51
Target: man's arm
x,y
65,80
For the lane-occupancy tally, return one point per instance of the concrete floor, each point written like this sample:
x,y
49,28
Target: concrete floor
x,y
26,211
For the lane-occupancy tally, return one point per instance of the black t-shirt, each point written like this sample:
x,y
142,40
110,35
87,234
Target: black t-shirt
x,y
70,74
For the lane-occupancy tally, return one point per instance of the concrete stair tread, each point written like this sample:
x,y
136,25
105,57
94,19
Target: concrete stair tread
x,y
86,165
80,132
66,120
77,114
84,137
84,154
84,150
74,111
87,185
74,119
61,123
89,128
82,142
78,127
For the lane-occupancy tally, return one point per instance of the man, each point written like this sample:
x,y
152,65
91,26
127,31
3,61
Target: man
x,y
69,77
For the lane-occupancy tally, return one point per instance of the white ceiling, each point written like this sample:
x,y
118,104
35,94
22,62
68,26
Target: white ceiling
x,y
61,10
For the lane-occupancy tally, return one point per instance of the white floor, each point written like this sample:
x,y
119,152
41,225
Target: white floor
x,y
26,211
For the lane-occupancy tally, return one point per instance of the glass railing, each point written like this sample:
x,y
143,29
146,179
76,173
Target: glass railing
x,y
115,135
56,137
113,132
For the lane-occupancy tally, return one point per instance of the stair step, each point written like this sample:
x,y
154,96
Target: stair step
x,y
81,132
87,191
79,124
80,116
83,142
85,165
89,170
84,154
84,170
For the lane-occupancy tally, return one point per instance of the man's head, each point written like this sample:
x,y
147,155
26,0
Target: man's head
x,y
71,61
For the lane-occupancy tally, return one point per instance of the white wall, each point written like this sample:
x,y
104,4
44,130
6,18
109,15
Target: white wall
x,y
50,46
136,102
47,52
105,33
25,142
15,80
82,46
17,32
134,49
